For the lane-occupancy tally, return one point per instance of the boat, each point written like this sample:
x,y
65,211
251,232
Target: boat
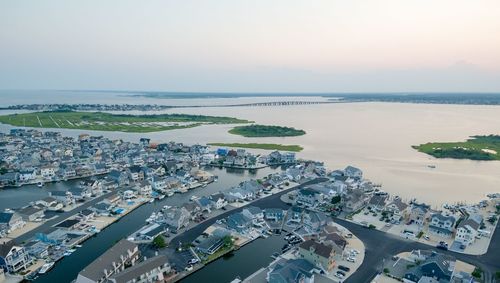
x,y
78,246
169,194
160,197
194,198
40,184
151,200
275,255
431,166
46,267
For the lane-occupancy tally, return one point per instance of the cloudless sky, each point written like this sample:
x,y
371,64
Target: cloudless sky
x,y
251,46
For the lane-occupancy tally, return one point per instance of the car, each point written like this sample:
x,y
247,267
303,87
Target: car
x,y
338,275
427,237
354,251
189,268
344,268
351,259
388,225
193,261
341,273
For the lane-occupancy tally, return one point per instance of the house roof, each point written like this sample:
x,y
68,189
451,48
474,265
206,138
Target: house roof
x,y
131,273
291,271
5,217
318,248
29,210
5,248
95,270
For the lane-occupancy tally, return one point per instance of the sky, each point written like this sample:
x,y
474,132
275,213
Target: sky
x,y
251,46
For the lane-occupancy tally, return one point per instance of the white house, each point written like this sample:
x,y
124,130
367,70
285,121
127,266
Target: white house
x,y
468,230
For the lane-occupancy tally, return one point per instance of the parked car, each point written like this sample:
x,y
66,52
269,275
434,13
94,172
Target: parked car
x,y
344,268
351,259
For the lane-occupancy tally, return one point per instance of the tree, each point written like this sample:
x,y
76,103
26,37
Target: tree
x,y
336,199
477,272
159,242
228,241
386,270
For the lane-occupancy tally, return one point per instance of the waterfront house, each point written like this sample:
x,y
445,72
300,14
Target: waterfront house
x,y
442,225
219,200
314,221
136,173
31,213
354,200
144,188
205,204
79,193
10,221
177,218
37,249
239,222
241,194
50,203
254,213
48,172
419,213
113,261
101,208
154,269
9,179
64,197
86,214
353,172
309,197
274,214
468,230
211,244
294,216
27,175
319,254
193,208
13,258
377,202
293,271
294,173
398,209
113,199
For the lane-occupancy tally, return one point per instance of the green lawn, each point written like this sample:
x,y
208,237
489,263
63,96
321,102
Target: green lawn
x,y
266,131
266,146
100,121
475,148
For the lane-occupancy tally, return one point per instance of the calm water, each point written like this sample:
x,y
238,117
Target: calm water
x,y
376,137
67,269
242,263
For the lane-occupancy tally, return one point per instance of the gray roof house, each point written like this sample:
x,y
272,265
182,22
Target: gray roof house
x,y
150,270
111,262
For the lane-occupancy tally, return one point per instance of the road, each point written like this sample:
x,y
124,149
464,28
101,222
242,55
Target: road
x,y
60,217
266,202
379,246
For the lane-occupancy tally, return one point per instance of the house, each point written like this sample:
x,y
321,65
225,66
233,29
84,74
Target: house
x,y
128,194
31,213
153,269
241,194
309,197
101,208
27,175
239,222
353,172
13,258
64,197
205,204
177,218
113,199
254,213
112,262
337,241
86,214
79,193
294,216
377,202
292,271
136,173
119,177
211,244
397,208
419,213
219,200
354,201
50,203
314,221
144,188
274,214
252,186
48,172
10,221
317,253
435,266
441,225
9,179
37,249
468,229
193,208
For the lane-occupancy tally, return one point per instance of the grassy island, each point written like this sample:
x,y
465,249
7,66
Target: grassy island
x,y
253,131
100,121
475,148
266,146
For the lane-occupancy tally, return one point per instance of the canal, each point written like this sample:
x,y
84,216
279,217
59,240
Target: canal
x,y
68,268
241,263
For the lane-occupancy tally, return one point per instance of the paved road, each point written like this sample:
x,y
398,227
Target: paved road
x,y
381,246
266,202
60,217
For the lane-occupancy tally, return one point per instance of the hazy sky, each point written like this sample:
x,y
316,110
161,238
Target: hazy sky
x,y
254,45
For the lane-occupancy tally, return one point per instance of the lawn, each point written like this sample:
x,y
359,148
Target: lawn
x,y
266,146
100,121
266,131
475,148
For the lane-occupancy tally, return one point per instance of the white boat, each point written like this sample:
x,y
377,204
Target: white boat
x,y
161,197
46,267
40,184
194,198
169,194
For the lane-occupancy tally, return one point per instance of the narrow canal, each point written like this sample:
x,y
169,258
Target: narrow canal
x,y
67,269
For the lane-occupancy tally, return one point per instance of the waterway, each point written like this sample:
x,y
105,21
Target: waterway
x,y
241,263
67,269
376,137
